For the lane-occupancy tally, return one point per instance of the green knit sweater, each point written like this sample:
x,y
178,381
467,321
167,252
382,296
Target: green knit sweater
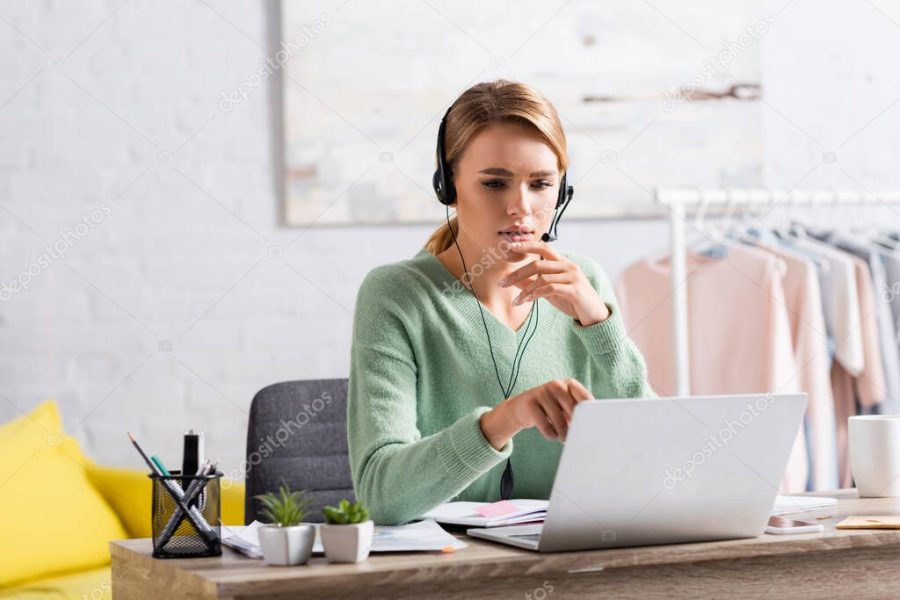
x,y
421,376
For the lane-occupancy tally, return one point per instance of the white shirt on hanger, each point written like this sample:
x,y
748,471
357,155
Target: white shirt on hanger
x,y
840,299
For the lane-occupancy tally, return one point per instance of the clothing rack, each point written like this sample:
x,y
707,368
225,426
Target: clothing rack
x,y
679,201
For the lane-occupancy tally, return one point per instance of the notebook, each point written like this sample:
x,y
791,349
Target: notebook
x,y
490,514
870,522
790,504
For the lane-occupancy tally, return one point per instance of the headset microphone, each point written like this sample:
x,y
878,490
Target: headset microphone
x,y
561,203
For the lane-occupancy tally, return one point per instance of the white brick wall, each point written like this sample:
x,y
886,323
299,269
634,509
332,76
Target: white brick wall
x,y
130,118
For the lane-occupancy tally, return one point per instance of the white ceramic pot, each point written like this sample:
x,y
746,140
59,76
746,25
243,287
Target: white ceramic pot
x,y
347,543
874,448
285,546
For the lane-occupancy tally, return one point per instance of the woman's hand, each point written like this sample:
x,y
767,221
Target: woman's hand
x,y
548,407
557,279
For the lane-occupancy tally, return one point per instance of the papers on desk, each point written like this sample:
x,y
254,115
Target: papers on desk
x,y
785,505
244,538
518,511
490,514
421,536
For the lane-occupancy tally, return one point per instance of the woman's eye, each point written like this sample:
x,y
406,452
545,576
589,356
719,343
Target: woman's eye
x,y
497,184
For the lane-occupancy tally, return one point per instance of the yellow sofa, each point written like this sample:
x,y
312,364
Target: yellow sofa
x,y
60,510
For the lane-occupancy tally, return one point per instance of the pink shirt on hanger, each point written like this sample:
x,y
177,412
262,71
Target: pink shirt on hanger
x,y
740,338
803,299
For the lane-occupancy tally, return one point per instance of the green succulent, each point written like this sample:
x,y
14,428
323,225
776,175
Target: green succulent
x,y
286,508
346,513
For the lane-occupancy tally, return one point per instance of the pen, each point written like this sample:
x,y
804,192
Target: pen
x,y
159,464
192,458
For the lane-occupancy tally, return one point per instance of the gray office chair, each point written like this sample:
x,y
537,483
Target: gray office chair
x,y
297,435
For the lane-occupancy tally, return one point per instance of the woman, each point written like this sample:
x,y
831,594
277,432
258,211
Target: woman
x,y
441,379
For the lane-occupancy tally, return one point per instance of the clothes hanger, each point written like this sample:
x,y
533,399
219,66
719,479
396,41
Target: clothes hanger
x,y
859,225
814,225
695,230
783,231
746,228
891,234
751,230
791,228
802,226
714,245
732,228
885,238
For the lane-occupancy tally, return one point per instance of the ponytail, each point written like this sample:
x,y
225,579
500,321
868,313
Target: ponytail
x,y
442,238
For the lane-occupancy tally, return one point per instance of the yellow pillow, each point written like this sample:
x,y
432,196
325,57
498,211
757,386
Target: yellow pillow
x,y
51,517
130,494
93,584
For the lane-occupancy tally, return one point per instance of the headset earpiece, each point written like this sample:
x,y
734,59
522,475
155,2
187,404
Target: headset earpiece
x,y
566,192
437,184
442,181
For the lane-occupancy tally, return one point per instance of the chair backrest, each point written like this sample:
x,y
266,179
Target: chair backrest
x,y
297,435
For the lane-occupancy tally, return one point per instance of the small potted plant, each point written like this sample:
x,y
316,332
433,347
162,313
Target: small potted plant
x,y
347,535
286,541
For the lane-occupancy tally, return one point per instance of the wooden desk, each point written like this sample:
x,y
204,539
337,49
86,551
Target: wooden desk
x,y
836,563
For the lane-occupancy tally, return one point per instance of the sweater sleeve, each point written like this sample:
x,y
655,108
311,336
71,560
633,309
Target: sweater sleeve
x,y
617,361
396,473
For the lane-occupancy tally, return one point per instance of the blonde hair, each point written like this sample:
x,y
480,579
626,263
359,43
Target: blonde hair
x,y
492,102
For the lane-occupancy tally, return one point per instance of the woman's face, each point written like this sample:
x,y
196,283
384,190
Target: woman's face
x,y
507,182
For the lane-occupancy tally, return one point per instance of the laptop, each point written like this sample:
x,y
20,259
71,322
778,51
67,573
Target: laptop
x,y
637,472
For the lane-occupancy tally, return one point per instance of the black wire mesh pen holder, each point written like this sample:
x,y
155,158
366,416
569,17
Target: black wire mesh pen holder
x,y
186,525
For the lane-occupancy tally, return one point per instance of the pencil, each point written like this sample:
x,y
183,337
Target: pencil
x,y
149,462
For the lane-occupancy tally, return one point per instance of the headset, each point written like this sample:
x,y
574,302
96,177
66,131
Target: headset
x,y
442,181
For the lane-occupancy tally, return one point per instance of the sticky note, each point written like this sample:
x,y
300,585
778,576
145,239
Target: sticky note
x,y
496,509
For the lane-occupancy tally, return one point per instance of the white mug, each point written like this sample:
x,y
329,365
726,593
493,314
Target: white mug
x,y
874,448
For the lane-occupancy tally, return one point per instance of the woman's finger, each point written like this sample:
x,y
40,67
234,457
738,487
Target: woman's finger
x,y
542,422
548,290
568,405
552,406
539,281
535,267
542,248
577,391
